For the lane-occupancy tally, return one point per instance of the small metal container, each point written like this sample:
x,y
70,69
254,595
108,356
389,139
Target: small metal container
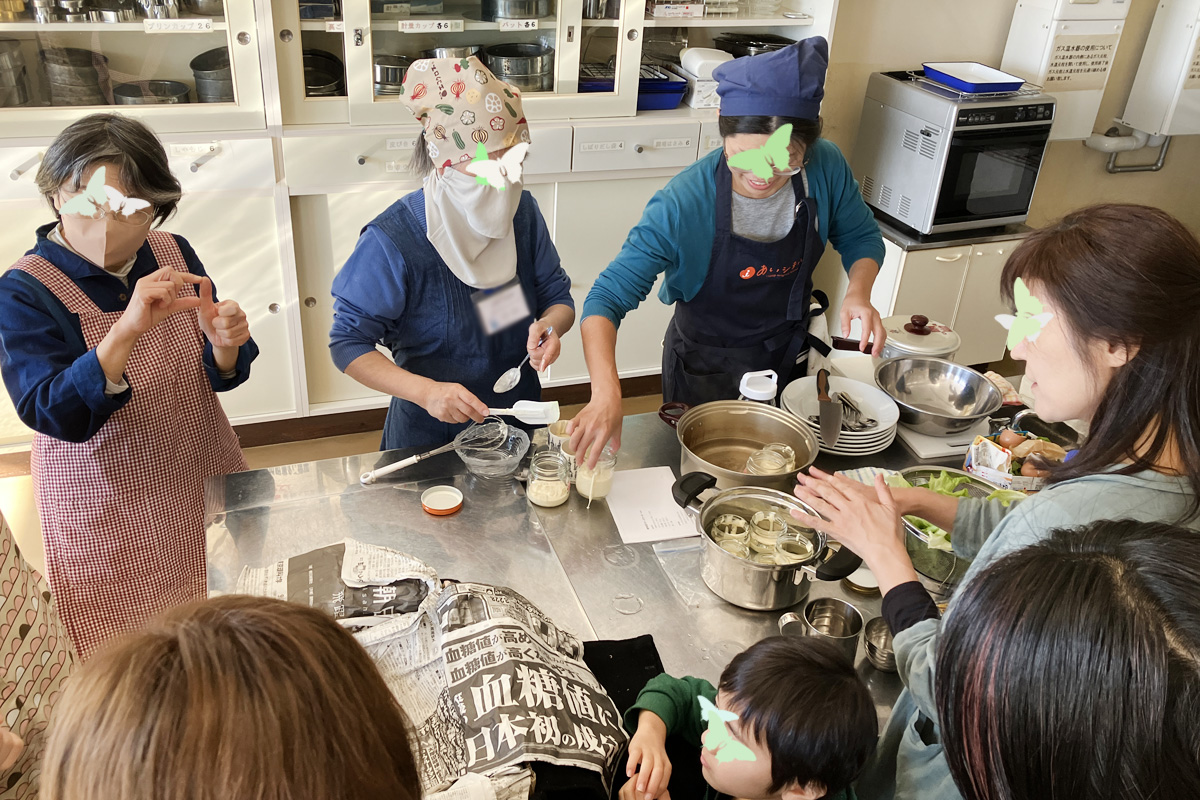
x,y
529,66
324,74
493,10
207,8
72,6
153,92
760,585
937,397
390,69
212,65
451,52
827,618
72,66
877,640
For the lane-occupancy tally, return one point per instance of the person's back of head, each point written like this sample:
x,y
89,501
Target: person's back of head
x,y
1072,669
801,699
235,698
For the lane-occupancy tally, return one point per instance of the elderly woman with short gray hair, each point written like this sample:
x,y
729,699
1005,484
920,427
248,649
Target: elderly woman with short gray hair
x,y
112,344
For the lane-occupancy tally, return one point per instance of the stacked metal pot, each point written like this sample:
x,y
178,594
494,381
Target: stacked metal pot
x,y
76,77
14,75
214,76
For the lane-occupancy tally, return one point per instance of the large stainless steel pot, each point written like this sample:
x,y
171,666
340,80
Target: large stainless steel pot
x,y
718,438
758,587
914,335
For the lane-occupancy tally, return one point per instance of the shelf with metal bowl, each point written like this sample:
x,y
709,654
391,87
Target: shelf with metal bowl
x,y
742,19
93,27
469,23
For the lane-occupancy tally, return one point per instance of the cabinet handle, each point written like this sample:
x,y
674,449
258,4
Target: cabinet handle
x,y
24,167
310,302
361,160
273,308
637,148
948,258
202,160
286,35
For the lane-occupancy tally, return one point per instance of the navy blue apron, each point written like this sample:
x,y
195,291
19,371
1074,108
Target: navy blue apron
x,y
752,311
437,299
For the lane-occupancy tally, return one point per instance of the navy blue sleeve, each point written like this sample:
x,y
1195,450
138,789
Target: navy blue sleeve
x,y
368,298
553,283
246,353
56,390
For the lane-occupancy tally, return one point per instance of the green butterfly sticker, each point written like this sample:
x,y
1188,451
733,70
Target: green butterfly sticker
x,y
763,161
1031,317
720,741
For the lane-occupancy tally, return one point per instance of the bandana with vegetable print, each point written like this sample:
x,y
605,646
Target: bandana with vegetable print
x,y
1031,316
461,104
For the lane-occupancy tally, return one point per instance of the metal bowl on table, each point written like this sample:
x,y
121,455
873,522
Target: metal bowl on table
x,y
152,92
719,438
529,66
501,461
937,397
451,52
877,639
493,10
390,69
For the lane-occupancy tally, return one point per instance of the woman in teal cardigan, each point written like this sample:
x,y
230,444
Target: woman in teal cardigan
x,y
737,236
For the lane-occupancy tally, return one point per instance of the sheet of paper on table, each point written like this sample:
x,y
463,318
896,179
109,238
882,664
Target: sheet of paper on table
x,y
641,504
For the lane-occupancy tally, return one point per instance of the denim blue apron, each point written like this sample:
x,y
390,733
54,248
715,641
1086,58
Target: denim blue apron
x,y
752,311
436,300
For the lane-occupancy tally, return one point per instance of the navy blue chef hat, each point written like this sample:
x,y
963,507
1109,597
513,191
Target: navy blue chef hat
x,y
782,83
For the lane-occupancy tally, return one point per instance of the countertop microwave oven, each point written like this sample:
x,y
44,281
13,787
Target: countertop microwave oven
x,y
937,160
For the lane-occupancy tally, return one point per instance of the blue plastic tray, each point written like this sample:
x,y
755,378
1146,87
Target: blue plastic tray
x,y
972,77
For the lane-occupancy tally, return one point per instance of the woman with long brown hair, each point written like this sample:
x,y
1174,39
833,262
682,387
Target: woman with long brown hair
x,y
1120,349
235,698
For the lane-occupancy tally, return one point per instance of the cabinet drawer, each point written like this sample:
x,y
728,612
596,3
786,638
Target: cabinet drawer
x,y
930,283
632,146
312,164
550,153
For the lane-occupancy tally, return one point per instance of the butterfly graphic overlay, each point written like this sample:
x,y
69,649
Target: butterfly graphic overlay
x,y
720,741
1030,319
764,161
500,172
91,201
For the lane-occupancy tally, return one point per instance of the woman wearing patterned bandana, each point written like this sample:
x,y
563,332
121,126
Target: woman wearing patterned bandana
x,y
459,280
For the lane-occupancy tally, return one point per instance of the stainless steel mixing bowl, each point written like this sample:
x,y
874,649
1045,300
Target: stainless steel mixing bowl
x,y
937,397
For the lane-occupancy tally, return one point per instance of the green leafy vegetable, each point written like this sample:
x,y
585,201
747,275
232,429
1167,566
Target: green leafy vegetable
x,y
1006,497
943,483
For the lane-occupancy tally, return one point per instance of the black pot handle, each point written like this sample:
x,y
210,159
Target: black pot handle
x,y
842,565
670,413
692,485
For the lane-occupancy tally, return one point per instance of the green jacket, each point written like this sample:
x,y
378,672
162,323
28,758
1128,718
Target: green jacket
x,y
673,700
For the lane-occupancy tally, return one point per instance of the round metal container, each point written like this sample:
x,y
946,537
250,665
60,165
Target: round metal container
x,y
152,92
719,438
759,587
878,640
527,65
207,8
935,396
324,74
390,69
451,52
72,6
493,10
77,96
214,91
917,335
72,66
387,89
212,65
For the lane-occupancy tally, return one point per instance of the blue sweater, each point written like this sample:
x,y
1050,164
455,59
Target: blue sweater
x,y
58,386
370,293
675,234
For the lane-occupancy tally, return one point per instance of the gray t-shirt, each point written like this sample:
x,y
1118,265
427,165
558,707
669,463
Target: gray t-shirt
x,y
768,219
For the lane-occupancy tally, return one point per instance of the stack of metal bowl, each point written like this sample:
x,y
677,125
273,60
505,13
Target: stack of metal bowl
x,y
492,10
529,66
214,76
324,75
152,92
160,9
14,77
114,11
43,10
74,10
76,77
389,73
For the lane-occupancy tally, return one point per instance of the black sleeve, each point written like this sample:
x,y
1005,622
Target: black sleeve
x,y
906,605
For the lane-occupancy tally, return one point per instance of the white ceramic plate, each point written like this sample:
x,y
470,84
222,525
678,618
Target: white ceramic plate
x,y
800,398
856,451
850,439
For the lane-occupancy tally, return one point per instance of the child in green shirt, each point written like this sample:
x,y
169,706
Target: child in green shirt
x,y
790,720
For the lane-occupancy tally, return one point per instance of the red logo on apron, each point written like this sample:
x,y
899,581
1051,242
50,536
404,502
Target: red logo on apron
x,y
747,273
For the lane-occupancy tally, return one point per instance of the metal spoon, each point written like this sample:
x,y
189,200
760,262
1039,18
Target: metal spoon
x,y
509,380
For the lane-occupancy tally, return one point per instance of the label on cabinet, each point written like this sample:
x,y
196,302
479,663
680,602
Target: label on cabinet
x,y
402,144
600,147
517,24
190,150
335,26
671,144
403,9
395,166
431,26
177,25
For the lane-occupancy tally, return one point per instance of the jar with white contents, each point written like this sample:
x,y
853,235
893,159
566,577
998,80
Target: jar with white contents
x,y
549,479
595,483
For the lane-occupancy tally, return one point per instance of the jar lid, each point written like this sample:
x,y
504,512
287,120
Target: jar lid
x,y
920,336
760,386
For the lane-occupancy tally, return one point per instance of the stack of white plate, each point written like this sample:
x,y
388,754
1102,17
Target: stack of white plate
x,y
800,399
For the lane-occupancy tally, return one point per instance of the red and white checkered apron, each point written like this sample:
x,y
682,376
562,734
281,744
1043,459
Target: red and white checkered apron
x,y
123,513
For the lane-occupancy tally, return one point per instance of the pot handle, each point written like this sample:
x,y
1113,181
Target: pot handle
x,y
691,486
844,562
671,412
842,343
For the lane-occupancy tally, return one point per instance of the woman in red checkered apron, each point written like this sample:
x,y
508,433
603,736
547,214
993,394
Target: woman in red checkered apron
x,y
112,345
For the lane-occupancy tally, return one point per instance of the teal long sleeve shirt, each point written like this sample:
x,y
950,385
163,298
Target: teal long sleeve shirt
x,y
676,232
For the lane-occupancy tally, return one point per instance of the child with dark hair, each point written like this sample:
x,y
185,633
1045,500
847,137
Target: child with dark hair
x,y
790,720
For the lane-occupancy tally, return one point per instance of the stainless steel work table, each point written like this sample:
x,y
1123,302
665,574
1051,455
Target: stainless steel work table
x,y
569,560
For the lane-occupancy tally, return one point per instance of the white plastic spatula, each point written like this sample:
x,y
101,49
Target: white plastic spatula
x,y
530,412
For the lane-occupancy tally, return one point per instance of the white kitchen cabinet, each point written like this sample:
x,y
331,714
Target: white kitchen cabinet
x,y
958,285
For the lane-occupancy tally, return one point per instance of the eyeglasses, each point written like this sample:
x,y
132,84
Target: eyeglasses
x,y
778,173
140,217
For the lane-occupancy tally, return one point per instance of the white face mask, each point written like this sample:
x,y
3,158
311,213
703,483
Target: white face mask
x,y
470,224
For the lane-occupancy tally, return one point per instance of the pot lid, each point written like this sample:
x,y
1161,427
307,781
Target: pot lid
x,y
920,336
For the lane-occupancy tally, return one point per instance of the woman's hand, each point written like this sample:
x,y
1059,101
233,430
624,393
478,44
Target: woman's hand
x,y
451,402
156,297
597,424
224,323
855,306
647,748
864,518
543,355
11,747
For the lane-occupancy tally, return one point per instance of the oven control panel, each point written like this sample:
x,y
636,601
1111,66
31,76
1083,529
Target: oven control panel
x,y
1040,112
